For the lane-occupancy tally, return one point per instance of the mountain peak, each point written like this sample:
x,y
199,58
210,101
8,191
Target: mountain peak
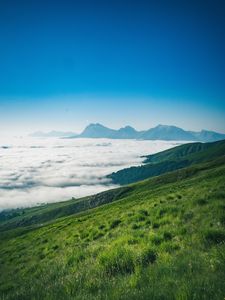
x,y
160,132
162,126
97,130
127,128
95,125
167,133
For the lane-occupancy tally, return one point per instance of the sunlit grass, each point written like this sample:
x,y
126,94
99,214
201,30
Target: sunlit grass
x,y
165,239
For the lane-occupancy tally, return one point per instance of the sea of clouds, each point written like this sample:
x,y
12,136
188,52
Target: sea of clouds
x,y
43,170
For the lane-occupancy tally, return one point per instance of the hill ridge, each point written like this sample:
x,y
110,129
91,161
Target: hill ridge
x,y
160,132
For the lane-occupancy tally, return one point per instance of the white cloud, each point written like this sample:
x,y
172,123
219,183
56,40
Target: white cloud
x,y
36,171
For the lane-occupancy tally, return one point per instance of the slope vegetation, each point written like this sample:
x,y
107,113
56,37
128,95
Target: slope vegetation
x,y
170,160
162,238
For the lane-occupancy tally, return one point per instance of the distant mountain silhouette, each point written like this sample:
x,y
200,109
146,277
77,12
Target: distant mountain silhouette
x,y
127,132
160,132
208,136
53,133
165,132
100,131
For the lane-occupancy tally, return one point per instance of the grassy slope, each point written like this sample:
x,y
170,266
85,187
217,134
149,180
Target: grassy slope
x,y
197,152
162,239
36,216
162,162
170,160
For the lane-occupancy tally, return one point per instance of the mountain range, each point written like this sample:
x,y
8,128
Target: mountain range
x,y
160,132
53,133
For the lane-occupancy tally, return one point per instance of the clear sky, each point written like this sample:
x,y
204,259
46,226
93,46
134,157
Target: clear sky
x,y
64,64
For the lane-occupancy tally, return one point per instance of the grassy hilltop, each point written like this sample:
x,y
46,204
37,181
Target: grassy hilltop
x,y
170,160
162,238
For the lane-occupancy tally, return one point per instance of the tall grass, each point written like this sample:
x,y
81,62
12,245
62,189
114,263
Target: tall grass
x,y
146,246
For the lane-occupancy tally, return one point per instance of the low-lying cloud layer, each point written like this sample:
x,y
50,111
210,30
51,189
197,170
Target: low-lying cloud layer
x,y
34,171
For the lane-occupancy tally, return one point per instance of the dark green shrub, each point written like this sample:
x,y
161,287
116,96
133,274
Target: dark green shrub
x,y
156,239
130,214
161,212
55,247
42,256
135,226
115,223
148,222
155,225
144,212
139,218
148,256
101,226
97,235
201,201
215,236
167,236
183,230
170,197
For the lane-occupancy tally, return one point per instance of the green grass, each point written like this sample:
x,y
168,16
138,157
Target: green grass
x,y
162,238
170,160
36,216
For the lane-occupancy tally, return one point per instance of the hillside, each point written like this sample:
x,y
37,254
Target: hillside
x,y
18,218
162,238
170,160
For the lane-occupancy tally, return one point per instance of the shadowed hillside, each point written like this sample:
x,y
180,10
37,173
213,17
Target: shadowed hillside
x,y
170,160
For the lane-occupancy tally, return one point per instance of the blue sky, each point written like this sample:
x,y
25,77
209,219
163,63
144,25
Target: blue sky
x,y
64,64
